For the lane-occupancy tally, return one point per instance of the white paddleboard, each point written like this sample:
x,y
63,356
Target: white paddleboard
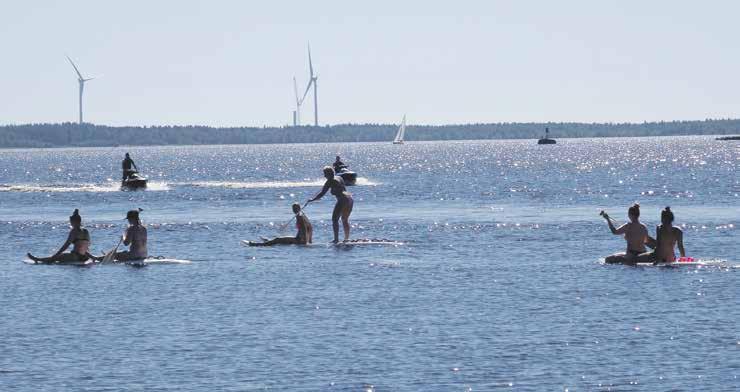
x,y
365,243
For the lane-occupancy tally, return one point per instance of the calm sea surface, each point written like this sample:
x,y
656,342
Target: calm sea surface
x,y
498,284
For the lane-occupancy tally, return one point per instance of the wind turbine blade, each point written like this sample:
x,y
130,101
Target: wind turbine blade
x,y
75,67
295,89
308,88
310,63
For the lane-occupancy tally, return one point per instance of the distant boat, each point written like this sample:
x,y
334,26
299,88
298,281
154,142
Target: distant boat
x,y
729,138
546,139
401,132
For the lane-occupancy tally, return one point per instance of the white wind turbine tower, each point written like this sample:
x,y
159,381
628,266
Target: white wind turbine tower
x,y
312,81
81,81
297,111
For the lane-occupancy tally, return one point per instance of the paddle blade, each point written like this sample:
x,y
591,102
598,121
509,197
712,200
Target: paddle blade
x,y
109,256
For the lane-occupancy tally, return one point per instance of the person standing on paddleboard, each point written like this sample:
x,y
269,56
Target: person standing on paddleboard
x,y
303,237
634,232
78,237
135,238
344,205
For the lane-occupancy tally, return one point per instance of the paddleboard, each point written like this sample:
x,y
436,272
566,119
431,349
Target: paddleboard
x,y
133,263
247,243
72,263
352,243
151,260
683,262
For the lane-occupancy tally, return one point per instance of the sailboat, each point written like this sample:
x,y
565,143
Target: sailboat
x,y
401,132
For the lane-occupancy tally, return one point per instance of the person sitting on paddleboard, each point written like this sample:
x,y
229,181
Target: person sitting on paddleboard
x,y
78,237
667,237
127,165
135,238
634,232
344,205
303,237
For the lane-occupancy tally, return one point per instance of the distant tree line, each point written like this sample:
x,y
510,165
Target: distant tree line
x,y
84,135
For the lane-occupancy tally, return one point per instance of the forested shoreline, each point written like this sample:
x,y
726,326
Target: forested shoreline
x,y
90,135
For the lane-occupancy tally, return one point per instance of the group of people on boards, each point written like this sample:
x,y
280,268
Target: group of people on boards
x,y
342,210
79,238
667,237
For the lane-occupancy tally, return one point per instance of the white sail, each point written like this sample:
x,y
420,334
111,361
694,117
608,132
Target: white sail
x,y
401,132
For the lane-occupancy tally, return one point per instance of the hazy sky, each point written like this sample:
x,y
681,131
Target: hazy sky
x,y
232,62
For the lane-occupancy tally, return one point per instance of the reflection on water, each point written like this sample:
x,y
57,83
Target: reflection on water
x,y
498,284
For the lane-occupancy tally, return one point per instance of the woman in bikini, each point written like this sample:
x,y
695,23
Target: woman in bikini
x,y
303,237
634,232
78,237
344,205
667,238
135,238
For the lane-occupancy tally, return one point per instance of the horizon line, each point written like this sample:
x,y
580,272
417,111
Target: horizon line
x,y
374,124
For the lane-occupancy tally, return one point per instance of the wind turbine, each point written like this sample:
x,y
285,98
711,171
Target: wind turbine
x,y
312,81
81,81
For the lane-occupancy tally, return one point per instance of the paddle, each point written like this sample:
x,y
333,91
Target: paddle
x,y
605,215
110,255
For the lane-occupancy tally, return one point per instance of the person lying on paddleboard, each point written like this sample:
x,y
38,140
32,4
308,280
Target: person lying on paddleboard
x,y
78,237
344,205
303,237
634,232
135,238
667,237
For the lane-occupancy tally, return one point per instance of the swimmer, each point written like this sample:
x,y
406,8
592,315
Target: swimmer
x,y
78,237
135,238
303,237
634,232
344,205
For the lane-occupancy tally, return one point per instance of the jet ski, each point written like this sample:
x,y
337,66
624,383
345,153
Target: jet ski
x,y
134,181
349,177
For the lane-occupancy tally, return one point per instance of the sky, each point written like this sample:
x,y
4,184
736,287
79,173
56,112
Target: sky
x,y
231,63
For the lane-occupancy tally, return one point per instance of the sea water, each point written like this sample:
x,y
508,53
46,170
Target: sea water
x,y
498,283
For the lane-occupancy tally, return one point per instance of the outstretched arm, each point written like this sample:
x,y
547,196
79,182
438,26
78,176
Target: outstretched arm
x,y
615,230
322,193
